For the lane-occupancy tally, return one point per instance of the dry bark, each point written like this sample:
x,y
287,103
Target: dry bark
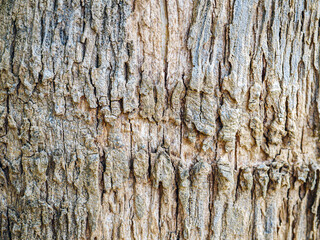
x,y
159,119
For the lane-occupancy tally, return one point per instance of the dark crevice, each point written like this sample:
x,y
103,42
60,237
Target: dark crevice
x,y
8,226
177,197
12,48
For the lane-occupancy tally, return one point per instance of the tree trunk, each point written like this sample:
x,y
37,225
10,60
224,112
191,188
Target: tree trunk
x,y
159,119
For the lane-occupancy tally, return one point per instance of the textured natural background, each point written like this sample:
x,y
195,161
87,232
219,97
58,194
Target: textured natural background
x,y
159,119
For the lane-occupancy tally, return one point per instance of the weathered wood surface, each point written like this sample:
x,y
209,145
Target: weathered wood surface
x,y
159,119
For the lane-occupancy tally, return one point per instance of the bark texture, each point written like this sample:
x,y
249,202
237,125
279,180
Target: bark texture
x,y
159,119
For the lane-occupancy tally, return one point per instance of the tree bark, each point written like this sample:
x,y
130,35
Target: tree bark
x,y
159,119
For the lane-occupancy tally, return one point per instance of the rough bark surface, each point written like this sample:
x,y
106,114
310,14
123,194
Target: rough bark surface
x,y
159,119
